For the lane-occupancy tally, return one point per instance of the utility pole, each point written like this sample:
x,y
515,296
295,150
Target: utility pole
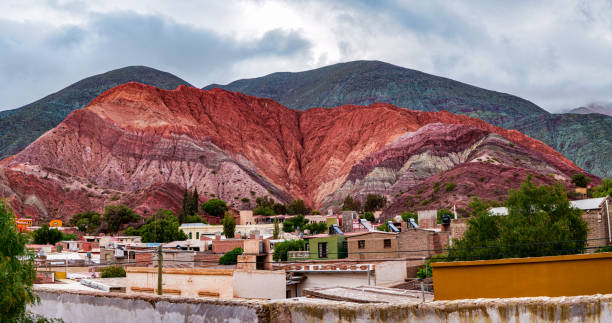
x,y
160,261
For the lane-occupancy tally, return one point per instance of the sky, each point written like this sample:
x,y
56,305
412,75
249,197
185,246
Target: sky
x,y
557,54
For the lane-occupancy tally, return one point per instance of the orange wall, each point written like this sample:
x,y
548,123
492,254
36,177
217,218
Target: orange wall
x,y
569,275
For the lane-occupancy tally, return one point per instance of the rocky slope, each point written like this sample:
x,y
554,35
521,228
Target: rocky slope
x,y
20,127
140,145
601,108
367,82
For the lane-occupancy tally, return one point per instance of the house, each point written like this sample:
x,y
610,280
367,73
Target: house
x,y
596,212
208,282
372,245
199,230
326,246
342,273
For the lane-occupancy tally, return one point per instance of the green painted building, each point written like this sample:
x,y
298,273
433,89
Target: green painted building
x,y
326,246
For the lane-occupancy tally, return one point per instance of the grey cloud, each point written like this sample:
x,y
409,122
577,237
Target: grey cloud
x,y
36,67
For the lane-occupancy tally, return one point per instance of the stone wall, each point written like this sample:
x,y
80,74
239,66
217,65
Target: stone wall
x,y
95,307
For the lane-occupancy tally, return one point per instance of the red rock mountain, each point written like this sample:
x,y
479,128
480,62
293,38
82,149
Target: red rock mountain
x,y
142,146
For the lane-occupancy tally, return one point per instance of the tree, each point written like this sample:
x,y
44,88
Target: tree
x,y
279,208
298,207
316,227
605,189
231,257
276,231
229,225
87,221
44,235
185,208
368,216
406,216
195,201
215,207
196,218
263,210
17,270
443,212
374,202
540,222
281,248
580,180
351,204
383,227
117,216
161,227
112,272
294,223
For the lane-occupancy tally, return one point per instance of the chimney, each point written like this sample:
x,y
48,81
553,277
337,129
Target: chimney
x,y
238,236
217,236
403,226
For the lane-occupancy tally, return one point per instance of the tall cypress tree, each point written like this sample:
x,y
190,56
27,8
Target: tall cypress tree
x,y
195,200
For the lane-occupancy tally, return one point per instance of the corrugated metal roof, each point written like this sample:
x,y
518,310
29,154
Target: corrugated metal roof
x,y
588,204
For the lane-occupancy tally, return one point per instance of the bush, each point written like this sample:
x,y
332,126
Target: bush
x,y
316,227
112,271
263,210
230,257
116,216
163,226
450,186
368,216
215,207
374,202
580,180
443,212
281,248
409,215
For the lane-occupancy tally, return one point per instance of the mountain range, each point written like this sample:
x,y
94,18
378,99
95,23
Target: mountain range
x,y
584,139
20,127
142,146
601,108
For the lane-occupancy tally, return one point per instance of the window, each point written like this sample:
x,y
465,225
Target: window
x,y
387,243
197,235
361,244
322,249
190,236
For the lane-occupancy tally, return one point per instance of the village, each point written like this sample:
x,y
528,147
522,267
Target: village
x,y
350,259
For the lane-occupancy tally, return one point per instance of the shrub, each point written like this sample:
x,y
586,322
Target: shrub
x,y
112,271
580,180
450,186
281,248
215,207
230,257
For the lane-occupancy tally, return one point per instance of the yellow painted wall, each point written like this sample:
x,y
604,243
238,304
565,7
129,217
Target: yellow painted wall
x,y
569,275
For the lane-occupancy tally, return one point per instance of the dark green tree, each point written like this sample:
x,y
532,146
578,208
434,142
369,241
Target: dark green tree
x,y
86,222
279,208
117,216
316,227
263,210
580,180
231,257
215,207
374,202
195,201
351,204
605,189
45,235
17,270
540,222
229,225
184,212
294,223
162,226
298,207
281,248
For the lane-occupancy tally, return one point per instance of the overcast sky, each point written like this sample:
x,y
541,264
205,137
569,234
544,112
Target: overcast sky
x,y
558,54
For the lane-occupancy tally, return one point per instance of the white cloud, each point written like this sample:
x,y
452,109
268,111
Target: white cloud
x,y
554,54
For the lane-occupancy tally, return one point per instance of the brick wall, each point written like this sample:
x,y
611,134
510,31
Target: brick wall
x,y
223,246
597,221
457,228
373,246
428,218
